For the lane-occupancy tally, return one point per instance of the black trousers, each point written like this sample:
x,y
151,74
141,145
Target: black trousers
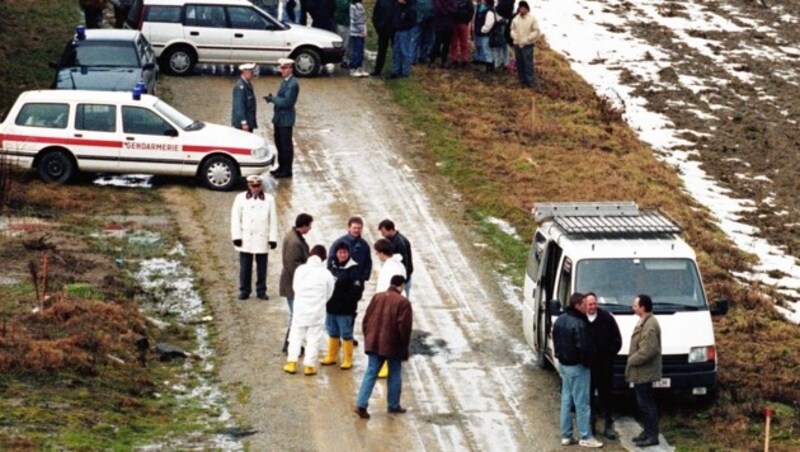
x,y
93,17
246,273
602,384
283,141
441,46
120,14
384,40
647,406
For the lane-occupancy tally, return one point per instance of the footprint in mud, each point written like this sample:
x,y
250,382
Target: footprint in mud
x,y
421,345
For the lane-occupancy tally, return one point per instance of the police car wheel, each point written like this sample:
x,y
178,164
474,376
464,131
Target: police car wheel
x,y
219,173
307,63
56,166
180,60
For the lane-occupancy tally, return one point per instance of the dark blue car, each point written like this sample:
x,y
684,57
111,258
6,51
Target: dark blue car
x,y
107,60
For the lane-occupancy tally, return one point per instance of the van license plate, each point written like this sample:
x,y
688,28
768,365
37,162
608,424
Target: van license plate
x,y
662,383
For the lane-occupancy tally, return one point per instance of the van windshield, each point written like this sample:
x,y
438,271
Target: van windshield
x,y
673,284
177,118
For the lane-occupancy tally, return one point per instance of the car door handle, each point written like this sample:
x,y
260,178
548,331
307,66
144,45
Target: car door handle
x,y
130,138
238,35
78,135
194,33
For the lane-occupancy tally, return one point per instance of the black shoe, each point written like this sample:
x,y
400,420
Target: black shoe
x,y
610,434
244,296
279,175
361,412
641,436
263,296
646,442
393,76
398,410
374,74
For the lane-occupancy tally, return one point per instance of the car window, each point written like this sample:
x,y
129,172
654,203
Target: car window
x,y
102,54
173,115
99,118
205,16
53,116
168,14
143,121
247,18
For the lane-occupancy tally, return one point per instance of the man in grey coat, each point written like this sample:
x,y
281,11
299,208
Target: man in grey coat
x,y
644,367
284,117
243,114
294,251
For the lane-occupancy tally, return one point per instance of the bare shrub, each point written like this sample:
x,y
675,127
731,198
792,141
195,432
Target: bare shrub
x,y
610,107
5,181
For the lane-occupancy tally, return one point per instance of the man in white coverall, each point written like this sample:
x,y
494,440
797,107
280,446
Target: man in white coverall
x,y
313,286
254,230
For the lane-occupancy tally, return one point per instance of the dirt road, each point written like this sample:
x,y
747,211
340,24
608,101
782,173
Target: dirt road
x,y
472,383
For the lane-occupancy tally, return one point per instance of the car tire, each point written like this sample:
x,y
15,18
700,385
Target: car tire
x,y
179,60
219,173
56,167
307,62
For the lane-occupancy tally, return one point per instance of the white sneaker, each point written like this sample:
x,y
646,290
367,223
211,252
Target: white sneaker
x,y
355,73
567,441
361,73
590,443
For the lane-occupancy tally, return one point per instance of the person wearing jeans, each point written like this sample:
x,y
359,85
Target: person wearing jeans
x,y
574,388
387,335
524,32
403,45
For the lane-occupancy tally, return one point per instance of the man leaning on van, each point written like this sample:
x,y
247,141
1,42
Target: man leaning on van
x,y
644,367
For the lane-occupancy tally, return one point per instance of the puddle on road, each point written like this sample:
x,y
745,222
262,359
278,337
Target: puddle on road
x,y
126,181
423,344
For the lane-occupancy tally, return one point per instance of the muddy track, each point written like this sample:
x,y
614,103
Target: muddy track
x,y
472,385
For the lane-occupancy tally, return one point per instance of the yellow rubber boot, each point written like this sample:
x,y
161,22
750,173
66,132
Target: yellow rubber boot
x,y
333,352
384,372
308,371
290,367
347,347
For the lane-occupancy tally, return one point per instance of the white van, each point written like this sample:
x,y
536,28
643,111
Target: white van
x,y
618,252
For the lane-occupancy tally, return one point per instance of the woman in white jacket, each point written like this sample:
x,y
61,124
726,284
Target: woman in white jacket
x,y
313,286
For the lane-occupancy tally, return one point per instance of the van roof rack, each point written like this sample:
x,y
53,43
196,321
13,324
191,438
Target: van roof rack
x,y
605,218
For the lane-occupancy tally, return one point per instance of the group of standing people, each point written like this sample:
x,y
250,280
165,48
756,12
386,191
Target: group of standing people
x,y
323,288
586,341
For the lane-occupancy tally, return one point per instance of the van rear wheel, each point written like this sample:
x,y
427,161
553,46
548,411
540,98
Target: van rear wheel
x,y
56,167
179,60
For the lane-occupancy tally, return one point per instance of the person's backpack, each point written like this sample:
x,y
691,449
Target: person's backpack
x,y
464,11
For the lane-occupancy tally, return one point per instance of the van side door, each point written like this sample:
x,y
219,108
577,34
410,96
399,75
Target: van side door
x,y
256,37
150,143
207,27
96,125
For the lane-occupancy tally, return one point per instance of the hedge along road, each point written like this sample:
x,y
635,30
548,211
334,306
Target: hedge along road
x,y
471,384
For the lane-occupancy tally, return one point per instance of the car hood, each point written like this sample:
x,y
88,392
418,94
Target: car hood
x,y
98,79
302,33
227,137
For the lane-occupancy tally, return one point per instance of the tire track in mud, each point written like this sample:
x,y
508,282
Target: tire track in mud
x,y
476,389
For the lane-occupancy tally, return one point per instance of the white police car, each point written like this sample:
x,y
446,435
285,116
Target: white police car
x,y
59,132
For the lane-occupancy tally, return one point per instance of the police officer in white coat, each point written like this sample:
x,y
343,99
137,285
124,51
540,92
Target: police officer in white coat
x,y
254,231
313,286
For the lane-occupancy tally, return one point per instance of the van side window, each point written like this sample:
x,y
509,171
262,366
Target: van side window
x,y
98,118
564,282
210,16
143,121
51,116
167,14
536,255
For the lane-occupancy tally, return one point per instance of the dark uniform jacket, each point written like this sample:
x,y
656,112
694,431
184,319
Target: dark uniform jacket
x,y
284,102
387,325
294,253
605,338
348,288
383,16
571,339
644,356
244,104
401,246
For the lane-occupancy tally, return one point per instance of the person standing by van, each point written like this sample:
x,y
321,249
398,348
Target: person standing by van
x,y
644,367
243,114
604,334
572,349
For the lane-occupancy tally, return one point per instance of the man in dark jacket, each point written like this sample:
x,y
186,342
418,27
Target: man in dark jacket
x,y
283,117
342,307
383,21
387,335
294,252
604,335
644,367
243,112
572,349
405,18
444,23
401,246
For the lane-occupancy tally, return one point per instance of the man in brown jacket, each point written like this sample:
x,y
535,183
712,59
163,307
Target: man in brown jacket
x,y
295,253
644,367
387,334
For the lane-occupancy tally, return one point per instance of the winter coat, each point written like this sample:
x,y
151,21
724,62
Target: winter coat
x,y
359,252
392,266
313,286
341,13
284,101
405,17
383,17
244,105
424,9
605,338
644,356
444,14
358,20
505,8
524,30
387,325
571,339
401,246
348,288
294,251
254,222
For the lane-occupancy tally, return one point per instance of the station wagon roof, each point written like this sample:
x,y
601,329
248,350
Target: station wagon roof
x,y
69,95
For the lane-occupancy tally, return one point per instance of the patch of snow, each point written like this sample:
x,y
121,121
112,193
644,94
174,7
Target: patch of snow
x,y
762,178
126,180
504,226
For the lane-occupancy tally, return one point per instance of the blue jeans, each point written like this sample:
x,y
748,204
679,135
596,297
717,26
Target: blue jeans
x,y
394,385
290,303
483,52
407,288
356,52
402,53
575,382
339,325
246,273
525,72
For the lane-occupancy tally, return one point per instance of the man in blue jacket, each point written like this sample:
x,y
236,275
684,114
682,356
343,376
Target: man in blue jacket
x,y
283,118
